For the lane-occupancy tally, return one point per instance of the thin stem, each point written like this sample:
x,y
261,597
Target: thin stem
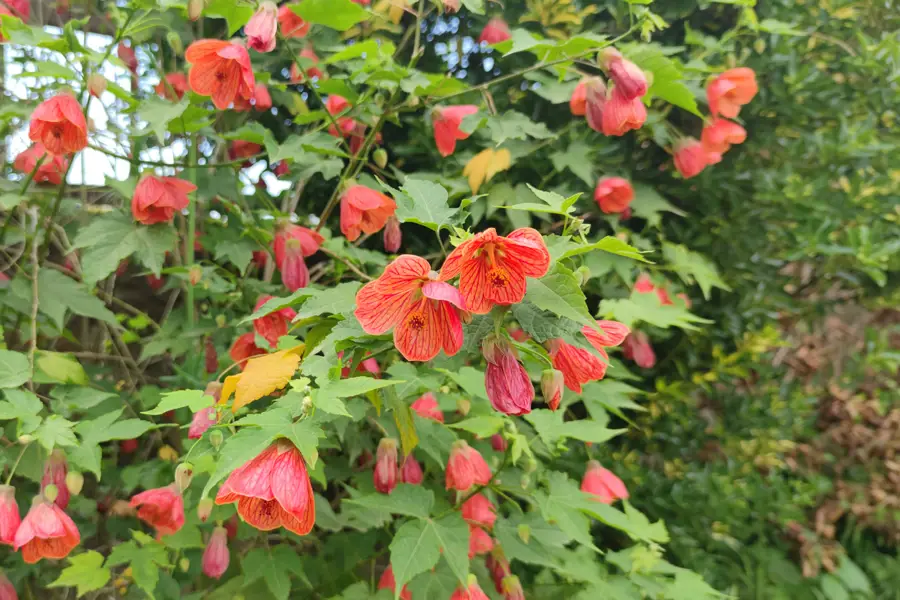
x,y
184,165
24,189
192,231
16,464
35,270
350,265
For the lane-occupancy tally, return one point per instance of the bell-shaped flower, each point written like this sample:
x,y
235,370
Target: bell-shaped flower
x,y
603,484
466,468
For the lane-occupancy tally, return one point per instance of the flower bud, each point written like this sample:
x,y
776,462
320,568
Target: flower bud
x,y
184,564
262,28
583,274
498,443
627,76
508,385
393,237
465,468
175,43
9,515
216,437
411,471
380,157
216,556
55,470
463,406
512,588
51,492
96,84
184,473
552,387
195,9
204,509
480,511
74,481
210,357
385,473
524,532
602,484
25,439
195,274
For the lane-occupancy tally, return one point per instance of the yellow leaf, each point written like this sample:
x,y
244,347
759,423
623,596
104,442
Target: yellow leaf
x,y
484,165
262,376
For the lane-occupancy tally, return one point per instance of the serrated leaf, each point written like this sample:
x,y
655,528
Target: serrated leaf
x,y
693,267
355,386
58,367
111,239
647,308
85,572
237,252
512,125
159,112
338,300
15,369
58,293
55,431
560,293
425,203
482,427
648,204
667,76
236,14
192,399
405,499
542,325
336,14
262,376
417,545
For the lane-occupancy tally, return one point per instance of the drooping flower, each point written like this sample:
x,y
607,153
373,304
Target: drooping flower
x,y
243,149
498,566
644,284
385,473
720,134
613,194
578,101
480,511
202,420
261,101
366,365
363,210
423,312
221,70
313,70
272,490
336,104
479,541
173,86
732,89
262,27
55,469
273,325
466,468
512,588
216,556
493,268
45,532
507,382
552,387
387,582
9,515
690,157
59,125
292,244
498,443
7,590
578,366
628,77
96,84
603,484
426,406
18,8
292,26
162,508
621,114
613,333
411,471
126,55
495,31
52,169
393,237
472,591
446,126
156,199
594,102
637,347
244,347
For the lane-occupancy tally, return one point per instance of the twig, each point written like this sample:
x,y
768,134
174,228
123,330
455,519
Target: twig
x,y
350,265
35,270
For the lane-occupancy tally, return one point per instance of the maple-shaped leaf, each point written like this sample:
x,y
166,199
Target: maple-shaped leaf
x,y
262,376
484,165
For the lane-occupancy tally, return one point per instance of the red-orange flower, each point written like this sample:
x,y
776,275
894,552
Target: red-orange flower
x,y
479,541
385,474
273,325
272,490
157,198
478,510
426,406
260,101
221,70
59,125
55,470
290,23
262,27
495,31
9,515
387,582
465,468
613,333
637,347
628,77
578,101
312,71
126,55
45,532
173,86
578,366
423,312
594,101
492,268
243,348
690,157
728,92
162,508
720,134
292,244
446,126
52,169
603,484
621,114
613,194
363,210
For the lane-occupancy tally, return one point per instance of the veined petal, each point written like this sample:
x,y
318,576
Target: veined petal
x,y
526,247
264,515
438,290
451,327
418,335
453,263
472,284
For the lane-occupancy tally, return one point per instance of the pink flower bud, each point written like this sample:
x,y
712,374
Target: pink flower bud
x,y
203,419
472,591
262,28
578,102
96,84
195,9
55,470
495,31
552,387
498,442
7,591
479,541
204,509
621,114
603,484
627,76
594,102
508,385
466,467
216,556
411,471
387,582
9,514
480,511
126,55
426,406
184,474
637,347
512,588
385,473
392,235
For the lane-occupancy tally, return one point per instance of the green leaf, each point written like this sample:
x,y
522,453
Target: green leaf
x,y
261,563
144,560
18,404
542,325
237,252
87,456
238,449
58,293
112,238
405,499
482,427
576,158
275,304
610,395
336,14
236,14
425,203
560,293
647,308
55,431
193,399
779,27
57,367
15,369
648,204
667,77
475,6
568,248
512,125
355,386
152,243
338,300
469,379
453,537
551,428
126,430
85,572
405,422
417,546
693,267
158,112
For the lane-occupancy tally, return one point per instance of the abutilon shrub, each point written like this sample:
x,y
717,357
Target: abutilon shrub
x,y
281,284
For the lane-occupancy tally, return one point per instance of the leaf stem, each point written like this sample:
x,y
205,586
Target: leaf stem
x,y
16,464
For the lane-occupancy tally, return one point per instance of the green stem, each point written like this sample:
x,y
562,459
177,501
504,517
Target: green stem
x,y
16,464
192,231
